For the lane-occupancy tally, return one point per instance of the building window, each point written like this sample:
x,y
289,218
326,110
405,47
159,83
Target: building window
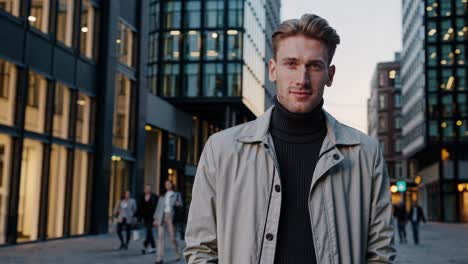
x,y
10,6
88,30
432,106
431,32
30,191
447,34
154,15
447,105
126,43
448,80
445,8
397,145
463,129
192,45
382,78
461,79
234,79
433,130
5,170
39,15
153,79
213,80
191,79
462,29
447,130
8,78
153,49
193,14
171,80
397,122
84,119
462,7
433,59
462,105
234,39
397,98
235,13
398,170
65,21
214,16
214,45
382,124
460,52
447,56
382,102
432,8
79,193
35,103
432,83
172,14
57,179
171,45
123,113
61,111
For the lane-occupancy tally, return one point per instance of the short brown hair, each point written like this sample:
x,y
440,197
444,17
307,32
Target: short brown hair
x,y
311,26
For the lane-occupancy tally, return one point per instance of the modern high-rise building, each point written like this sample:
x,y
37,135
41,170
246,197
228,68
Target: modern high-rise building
x,y
435,118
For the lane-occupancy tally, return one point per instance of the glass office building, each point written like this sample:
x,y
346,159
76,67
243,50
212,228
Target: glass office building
x,y
434,109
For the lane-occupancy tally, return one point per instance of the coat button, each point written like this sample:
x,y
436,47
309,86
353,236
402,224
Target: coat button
x,y
277,188
269,237
336,156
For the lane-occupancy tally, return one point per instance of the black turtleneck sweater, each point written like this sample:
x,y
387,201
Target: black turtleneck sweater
x,y
297,139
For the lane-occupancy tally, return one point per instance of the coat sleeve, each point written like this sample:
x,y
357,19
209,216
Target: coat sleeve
x,y
201,236
380,247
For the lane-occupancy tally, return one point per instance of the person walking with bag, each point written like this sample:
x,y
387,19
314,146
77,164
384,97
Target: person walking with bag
x,y
146,207
124,211
164,218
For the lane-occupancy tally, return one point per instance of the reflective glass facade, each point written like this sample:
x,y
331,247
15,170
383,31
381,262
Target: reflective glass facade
x,y
225,38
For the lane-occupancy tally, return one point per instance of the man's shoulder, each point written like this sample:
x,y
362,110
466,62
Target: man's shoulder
x,y
230,135
363,138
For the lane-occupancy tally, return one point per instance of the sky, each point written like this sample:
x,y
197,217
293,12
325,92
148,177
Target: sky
x,y
370,32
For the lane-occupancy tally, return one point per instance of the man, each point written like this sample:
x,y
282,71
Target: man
x,y
146,208
416,215
402,217
295,185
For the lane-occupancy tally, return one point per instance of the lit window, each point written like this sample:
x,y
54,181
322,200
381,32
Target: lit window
x,y
39,15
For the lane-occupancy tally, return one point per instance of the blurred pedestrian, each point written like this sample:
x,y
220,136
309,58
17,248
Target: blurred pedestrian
x,y
124,211
416,215
402,217
146,207
164,218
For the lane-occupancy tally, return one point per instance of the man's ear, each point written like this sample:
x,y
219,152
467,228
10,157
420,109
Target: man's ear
x,y
272,70
331,75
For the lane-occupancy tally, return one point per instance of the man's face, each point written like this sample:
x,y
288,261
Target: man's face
x,y
301,72
147,189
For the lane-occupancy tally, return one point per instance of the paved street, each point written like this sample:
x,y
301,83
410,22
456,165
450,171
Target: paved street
x,y
440,244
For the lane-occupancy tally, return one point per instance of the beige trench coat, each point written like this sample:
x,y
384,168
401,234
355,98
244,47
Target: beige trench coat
x,y
235,209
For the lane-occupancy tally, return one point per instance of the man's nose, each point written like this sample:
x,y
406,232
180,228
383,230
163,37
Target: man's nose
x,y
303,78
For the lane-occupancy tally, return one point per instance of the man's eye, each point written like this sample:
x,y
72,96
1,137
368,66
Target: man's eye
x,y
291,64
316,67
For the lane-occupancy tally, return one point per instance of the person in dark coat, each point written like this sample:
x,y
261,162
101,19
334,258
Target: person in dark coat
x,y
146,207
400,214
416,215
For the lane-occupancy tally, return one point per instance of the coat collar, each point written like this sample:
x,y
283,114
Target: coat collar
x,y
337,133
